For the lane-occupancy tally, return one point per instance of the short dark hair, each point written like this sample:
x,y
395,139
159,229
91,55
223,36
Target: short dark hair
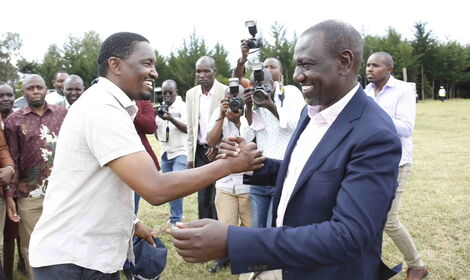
x,y
57,73
339,36
120,45
386,56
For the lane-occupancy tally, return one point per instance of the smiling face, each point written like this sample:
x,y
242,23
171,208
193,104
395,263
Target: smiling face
x,y
137,72
73,88
34,90
7,98
59,82
316,71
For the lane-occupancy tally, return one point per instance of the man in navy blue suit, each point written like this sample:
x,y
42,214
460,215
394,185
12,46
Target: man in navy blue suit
x,y
334,186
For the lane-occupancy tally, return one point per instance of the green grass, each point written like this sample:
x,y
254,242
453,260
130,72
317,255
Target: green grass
x,y
435,207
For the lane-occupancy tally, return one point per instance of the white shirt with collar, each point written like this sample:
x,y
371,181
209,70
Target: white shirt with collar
x,y
232,183
204,114
320,122
272,134
87,218
54,98
398,99
176,144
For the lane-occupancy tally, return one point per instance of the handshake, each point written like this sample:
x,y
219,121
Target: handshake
x,y
206,239
240,155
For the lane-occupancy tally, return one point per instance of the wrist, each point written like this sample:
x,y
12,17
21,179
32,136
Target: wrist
x,y
241,61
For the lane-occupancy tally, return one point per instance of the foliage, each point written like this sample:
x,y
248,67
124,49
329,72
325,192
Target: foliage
x,y
10,45
282,49
51,63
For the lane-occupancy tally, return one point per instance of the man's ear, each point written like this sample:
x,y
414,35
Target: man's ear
x,y
346,61
114,65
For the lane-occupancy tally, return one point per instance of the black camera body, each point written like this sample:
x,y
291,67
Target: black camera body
x,y
236,103
158,95
260,91
253,43
161,109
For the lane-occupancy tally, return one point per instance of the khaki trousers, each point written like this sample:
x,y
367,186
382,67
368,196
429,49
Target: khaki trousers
x,y
233,209
396,230
29,209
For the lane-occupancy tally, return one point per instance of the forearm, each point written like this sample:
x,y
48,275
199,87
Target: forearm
x,y
179,125
215,134
239,69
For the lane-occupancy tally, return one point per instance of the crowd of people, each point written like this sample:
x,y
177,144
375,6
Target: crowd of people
x,y
292,183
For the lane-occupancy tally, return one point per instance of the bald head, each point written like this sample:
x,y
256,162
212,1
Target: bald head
x,y
385,57
30,78
34,90
339,36
206,60
274,66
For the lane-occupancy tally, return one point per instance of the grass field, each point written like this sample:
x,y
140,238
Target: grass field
x,y
435,208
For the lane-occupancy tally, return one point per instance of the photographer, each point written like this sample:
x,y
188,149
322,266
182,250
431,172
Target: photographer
x,y
272,122
232,198
171,132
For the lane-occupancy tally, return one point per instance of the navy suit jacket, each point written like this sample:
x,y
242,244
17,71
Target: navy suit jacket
x,y
335,217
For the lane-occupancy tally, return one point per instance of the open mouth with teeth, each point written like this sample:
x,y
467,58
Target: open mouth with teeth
x,y
306,89
149,84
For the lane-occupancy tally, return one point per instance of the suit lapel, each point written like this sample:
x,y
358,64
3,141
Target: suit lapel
x,y
303,121
333,137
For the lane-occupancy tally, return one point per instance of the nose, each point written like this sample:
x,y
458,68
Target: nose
x,y
298,75
154,73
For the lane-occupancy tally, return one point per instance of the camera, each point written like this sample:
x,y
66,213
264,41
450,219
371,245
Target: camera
x,y
158,95
235,102
161,109
253,43
260,91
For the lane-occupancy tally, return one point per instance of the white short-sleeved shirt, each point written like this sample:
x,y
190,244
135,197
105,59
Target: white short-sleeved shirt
x,y
88,209
232,183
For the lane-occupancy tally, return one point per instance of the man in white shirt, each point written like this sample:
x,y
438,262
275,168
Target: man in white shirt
x,y
397,98
201,101
88,219
57,97
232,198
171,132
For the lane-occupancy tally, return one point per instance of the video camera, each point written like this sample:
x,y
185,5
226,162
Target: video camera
x,y
260,91
162,108
253,43
235,102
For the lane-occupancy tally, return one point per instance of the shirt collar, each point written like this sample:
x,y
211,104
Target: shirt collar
x,y
210,91
392,82
120,96
27,109
329,114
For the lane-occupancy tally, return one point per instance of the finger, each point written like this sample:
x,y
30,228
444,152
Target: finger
x,y
230,153
188,255
259,160
221,156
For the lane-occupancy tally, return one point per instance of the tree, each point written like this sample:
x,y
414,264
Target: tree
x,y
52,62
10,44
282,49
424,51
80,56
182,63
28,67
401,51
